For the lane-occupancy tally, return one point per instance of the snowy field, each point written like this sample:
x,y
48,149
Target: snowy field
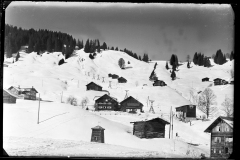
x,y
65,130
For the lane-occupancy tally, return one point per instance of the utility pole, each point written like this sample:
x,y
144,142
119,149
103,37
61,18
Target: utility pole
x,y
38,109
61,96
78,83
109,85
93,76
103,80
98,78
88,74
170,123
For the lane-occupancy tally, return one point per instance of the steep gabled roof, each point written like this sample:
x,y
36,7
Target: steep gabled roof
x,y
130,98
94,84
184,106
10,93
160,119
105,95
228,120
23,89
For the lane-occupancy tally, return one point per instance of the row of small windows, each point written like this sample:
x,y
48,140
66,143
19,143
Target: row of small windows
x,y
219,139
104,107
226,150
221,129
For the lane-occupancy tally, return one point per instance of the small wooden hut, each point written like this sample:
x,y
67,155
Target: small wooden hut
x,y
122,80
109,75
154,128
114,76
217,81
93,86
130,104
106,103
97,134
221,137
159,83
205,79
9,97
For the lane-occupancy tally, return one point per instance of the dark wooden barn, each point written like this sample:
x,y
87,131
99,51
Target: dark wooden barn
x,y
93,86
25,93
221,137
130,104
159,83
9,97
122,80
109,75
205,79
114,76
106,103
231,82
187,111
154,128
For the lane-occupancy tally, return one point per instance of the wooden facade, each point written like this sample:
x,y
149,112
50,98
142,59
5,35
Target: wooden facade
x,y
205,79
187,111
97,134
25,93
221,137
122,80
219,81
106,103
93,86
8,97
130,104
159,83
154,128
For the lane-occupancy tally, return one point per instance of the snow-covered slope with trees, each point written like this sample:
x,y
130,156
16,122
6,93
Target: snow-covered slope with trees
x,y
64,122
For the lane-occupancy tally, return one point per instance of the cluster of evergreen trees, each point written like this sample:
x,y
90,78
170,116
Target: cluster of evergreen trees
x,y
92,46
37,41
134,55
220,58
174,62
201,60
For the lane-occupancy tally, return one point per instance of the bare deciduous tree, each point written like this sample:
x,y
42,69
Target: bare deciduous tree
x,y
227,107
72,100
84,102
205,100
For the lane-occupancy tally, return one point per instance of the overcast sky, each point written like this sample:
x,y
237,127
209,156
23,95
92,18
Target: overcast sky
x,y
157,29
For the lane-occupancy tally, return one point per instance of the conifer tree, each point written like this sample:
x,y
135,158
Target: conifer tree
x,y
116,49
195,58
167,65
173,75
139,58
87,47
17,57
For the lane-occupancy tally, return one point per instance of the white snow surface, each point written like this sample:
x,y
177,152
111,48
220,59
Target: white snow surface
x,y
66,130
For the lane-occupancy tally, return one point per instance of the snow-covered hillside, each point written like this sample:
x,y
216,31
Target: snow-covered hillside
x,y
64,122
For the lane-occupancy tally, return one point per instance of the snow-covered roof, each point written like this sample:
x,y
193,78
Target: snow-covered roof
x,y
230,123
228,120
98,127
10,93
146,120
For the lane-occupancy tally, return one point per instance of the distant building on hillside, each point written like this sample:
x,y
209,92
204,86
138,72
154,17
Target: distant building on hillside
x,y
154,128
122,80
221,137
114,76
109,75
24,49
97,134
130,104
186,112
106,103
159,83
93,86
8,97
25,93
205,79
219,81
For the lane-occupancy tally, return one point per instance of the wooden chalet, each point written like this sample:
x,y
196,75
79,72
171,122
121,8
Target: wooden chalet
x,y
205,79
93,86
187,112
114,76
106,103
221,137
9,97
122,80
25,93
154,128
159,83
130,104
217,81
109,75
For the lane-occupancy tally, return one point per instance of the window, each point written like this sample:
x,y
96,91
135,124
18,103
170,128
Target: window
x,y
220,151
214,150
95,138
226,150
